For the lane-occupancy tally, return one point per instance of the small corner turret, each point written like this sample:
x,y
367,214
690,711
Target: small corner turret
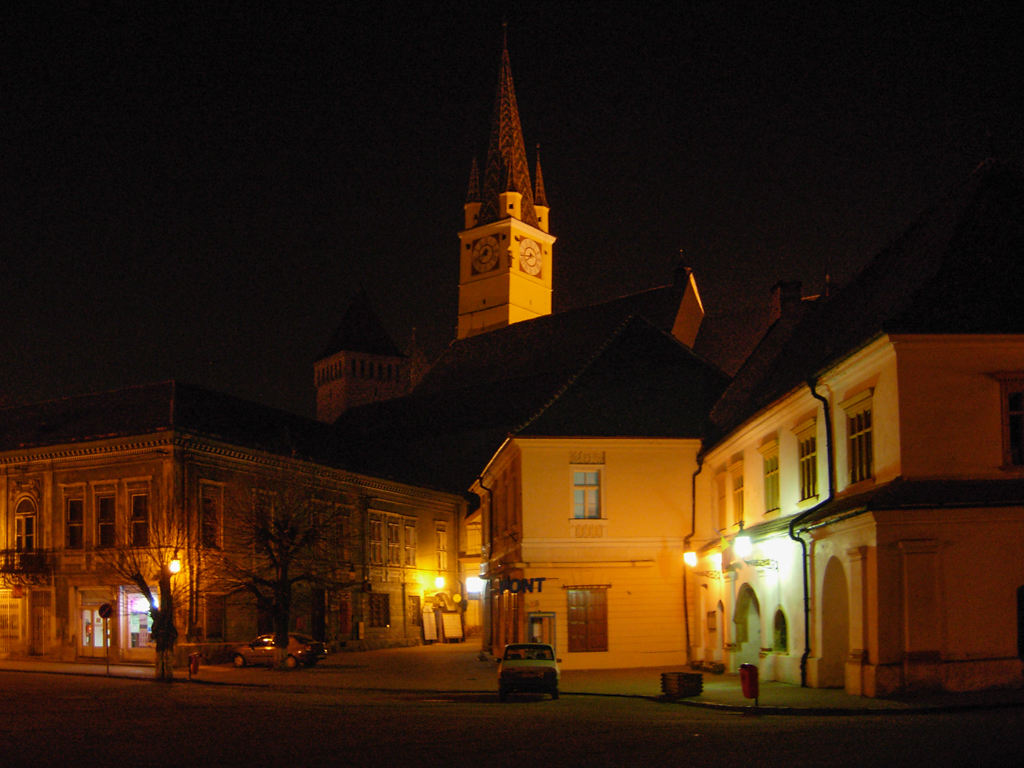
x,y
360,365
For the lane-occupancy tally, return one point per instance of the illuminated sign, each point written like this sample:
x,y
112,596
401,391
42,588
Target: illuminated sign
x,y
516,586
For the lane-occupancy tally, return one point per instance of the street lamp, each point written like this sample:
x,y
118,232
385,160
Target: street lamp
x,y
742,546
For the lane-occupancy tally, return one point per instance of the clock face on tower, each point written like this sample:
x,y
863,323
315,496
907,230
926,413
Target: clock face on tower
x,y
485,255
530,257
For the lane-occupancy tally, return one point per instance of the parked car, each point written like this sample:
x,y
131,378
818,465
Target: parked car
x,y
301,650
528,667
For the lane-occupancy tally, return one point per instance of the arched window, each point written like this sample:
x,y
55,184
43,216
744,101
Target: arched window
x,y
780,633
25,526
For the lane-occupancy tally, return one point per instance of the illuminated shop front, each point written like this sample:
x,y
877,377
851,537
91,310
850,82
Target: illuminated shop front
x,y
93,632
135,623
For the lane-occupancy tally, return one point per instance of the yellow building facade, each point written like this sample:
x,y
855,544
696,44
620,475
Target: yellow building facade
x,y
586,547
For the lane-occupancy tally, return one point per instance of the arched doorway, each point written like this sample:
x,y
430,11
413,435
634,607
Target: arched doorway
x,y
747,619
835,627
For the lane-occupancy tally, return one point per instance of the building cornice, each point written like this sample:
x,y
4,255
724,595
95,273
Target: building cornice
x,y
163,444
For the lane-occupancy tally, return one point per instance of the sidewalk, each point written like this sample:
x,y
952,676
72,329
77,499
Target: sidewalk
x,y
460,668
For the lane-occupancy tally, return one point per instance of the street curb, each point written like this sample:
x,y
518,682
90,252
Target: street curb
x,y
842,711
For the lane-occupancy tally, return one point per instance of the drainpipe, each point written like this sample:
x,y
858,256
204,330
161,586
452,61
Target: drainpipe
x,y
686,546
830,469
488,635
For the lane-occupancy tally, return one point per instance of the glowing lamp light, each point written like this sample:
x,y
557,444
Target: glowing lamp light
x,y
474,585
439,582
742,546
174,566
716,561
139,604
690,558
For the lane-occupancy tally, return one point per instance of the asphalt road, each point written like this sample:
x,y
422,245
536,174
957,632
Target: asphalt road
x,y
65,720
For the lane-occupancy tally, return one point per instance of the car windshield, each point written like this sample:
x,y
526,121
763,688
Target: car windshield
x,y
538,653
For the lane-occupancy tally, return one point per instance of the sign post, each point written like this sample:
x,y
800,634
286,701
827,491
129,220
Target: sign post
x,y
105,613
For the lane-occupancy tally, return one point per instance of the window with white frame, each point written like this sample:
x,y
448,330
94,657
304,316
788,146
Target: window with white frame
x,y
410,544
211,505
736,472
807,458
106,519
376,541
586,494
394,531
441,533
770,469
25,526
343,536
74,522
721,480
859,437
139,519
379,609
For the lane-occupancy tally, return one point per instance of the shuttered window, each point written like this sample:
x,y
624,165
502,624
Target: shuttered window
x,y
588,619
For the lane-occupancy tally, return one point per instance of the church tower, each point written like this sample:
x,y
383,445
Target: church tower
x,y
505,265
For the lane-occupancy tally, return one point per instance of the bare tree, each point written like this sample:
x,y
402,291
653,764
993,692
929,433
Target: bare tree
x,y
276,538
148,556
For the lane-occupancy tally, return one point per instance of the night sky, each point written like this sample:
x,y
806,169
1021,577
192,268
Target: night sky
x,y
198,196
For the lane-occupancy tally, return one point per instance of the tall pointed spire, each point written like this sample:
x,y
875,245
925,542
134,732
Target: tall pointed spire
x,y
506,169
539,197
473,189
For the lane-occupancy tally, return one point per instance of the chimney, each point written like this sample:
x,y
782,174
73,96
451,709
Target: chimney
x,y
785,296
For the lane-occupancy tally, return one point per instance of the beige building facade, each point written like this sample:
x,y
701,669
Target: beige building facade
x,y
125,481
862,528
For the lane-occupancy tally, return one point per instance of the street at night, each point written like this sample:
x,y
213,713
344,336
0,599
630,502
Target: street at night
x,y
316,449
54,719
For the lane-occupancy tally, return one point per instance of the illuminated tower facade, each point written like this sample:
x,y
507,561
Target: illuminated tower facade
x,y
505,261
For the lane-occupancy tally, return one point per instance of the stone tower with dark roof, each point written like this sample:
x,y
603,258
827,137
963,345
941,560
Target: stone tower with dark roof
x,y
360,365
505,265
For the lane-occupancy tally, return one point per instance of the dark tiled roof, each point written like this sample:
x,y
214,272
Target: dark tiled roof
x,y
599,370
164,407
557,344
361,331
642,383
727,338
958,269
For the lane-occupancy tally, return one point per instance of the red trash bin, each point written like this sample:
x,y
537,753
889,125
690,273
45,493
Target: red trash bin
x,y
748,681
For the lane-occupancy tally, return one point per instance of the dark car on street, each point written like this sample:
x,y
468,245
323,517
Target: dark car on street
x,y
301,650
528,667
